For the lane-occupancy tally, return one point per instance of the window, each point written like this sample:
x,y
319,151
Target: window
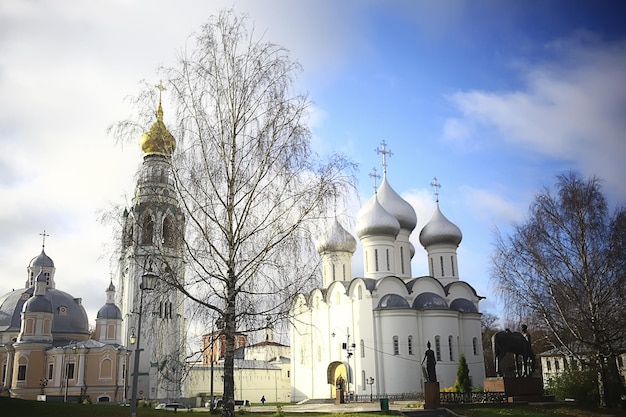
x,y
452,264
475,345
402,258
106,368
362,347
410,345
396,346
367,265
288,374
334,275
69,371
620,361
450,348
548,365
376,260
360,292
438,348
147,231
432,267
111,331
4,372
50,371
343,268
363,381
168,231
441,261
556,365
21,373
387,259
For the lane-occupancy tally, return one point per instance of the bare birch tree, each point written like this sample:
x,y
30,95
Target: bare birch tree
x,y
565,266
249,183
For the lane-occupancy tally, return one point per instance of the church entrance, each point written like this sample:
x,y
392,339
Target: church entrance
x,y
337,377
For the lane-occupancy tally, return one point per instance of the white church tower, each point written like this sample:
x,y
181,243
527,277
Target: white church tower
x,y
152,242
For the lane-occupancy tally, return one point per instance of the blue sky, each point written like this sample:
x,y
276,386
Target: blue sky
x,y
494,98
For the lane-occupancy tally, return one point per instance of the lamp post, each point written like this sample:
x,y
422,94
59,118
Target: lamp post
x,y
370,382
148,281
67,369
349,348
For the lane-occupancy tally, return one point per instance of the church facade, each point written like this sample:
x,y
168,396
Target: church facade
x,y
47,350
369,334
152,243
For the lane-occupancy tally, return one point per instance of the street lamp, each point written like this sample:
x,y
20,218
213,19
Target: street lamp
x,y
370,382
67,369
148,281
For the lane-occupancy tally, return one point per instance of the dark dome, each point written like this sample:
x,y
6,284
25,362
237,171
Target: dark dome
x,y
69,316
463,306
430,301
41,260
109,311
391,301
37,304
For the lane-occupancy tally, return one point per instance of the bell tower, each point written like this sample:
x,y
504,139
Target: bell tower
x,y
152,242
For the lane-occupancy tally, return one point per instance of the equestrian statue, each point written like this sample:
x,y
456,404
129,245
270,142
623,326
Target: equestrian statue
x,y
517,343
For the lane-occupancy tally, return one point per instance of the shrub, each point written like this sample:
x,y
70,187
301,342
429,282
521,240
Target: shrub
x,y
580,385
463,382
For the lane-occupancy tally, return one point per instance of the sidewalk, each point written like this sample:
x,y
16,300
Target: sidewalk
x,y
326,408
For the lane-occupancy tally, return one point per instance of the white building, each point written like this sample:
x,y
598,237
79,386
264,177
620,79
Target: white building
x,y
377,326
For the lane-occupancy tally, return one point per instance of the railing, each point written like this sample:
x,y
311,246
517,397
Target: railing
x,y
472,397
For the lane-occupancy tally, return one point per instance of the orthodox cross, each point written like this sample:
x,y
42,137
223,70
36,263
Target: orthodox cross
x,y
161,88
374,174
384,152
43,243
436,186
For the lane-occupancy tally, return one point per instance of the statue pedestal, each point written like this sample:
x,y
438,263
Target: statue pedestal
x,y
431,395
339,398
517,389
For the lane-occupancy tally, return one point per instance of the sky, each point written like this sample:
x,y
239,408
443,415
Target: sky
x,y
495,98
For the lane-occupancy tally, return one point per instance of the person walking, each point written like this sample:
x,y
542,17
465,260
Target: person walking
x,y
263,400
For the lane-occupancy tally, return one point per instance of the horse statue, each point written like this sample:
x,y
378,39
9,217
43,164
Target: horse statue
x,y
516,343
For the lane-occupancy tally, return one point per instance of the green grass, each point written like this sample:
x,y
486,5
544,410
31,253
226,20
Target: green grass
x,y
22,408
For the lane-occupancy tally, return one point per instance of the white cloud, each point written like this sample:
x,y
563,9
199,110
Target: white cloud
x,y
572,109
490,207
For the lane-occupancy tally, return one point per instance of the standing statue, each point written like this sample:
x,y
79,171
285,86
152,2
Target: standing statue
x,y
429,357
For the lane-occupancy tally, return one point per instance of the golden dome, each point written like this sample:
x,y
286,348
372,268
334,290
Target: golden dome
x,y
158,140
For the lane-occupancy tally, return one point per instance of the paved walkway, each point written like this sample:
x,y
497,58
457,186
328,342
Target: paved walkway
x,y
329,408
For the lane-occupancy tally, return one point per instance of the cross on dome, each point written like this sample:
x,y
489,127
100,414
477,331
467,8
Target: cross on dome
x,y
161,88
384,152
375,176
436,186
43,243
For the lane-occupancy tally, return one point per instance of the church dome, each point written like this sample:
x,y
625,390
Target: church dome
x,y
37,304
336,239
430,301
397,206
158,140
109,311
440,230
69,314
41,261
374,220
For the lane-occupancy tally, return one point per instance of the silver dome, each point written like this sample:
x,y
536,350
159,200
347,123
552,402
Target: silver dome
x,y
440,230
374,220
41,260
336,239
430,301
397,206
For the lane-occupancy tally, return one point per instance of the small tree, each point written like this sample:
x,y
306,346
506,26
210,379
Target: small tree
x,y
463,382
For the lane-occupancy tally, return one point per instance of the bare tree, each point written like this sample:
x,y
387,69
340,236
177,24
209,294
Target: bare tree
x,y
565,266
249,184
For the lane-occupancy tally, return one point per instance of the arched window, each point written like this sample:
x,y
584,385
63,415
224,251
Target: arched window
x,y
438,348
106,367
363,381
450,348
410,345
475,345
441,261
169,231
147,231
359,292
343,266
432,267
362,348
387,259
402,258
396,346
334,275
111,331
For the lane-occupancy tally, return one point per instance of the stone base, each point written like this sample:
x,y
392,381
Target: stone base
x,y
431,395
339,397
515,387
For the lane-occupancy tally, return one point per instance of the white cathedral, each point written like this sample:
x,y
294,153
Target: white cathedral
x,y
370,333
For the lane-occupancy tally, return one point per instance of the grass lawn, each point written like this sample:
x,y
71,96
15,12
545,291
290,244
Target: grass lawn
x,y
22,408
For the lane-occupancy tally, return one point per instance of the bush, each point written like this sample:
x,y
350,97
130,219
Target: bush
x,y
580,385
463,382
